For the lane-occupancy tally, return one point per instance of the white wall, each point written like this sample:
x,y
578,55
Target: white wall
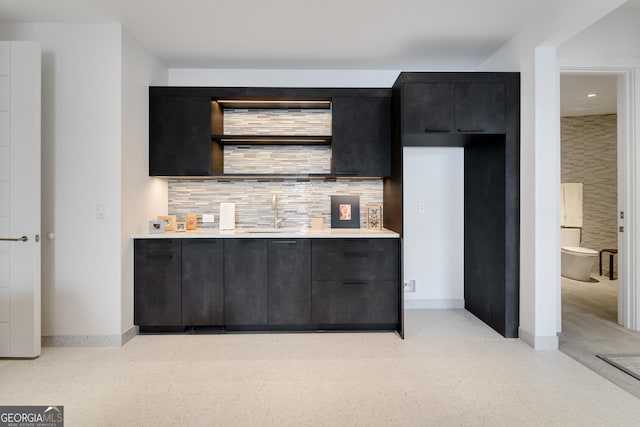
x,y
143,198
532,52
81,133
282,78
434,239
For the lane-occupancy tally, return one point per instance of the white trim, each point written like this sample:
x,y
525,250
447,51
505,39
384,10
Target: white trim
x,y
89,340
540,342
412,304
628,186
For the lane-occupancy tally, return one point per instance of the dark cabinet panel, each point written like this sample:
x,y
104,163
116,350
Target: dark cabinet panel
x,y
480,107
355,281
202,282
361,140
180,136
355,302
427,108
289,278
453,108
355,259
245,282
157,282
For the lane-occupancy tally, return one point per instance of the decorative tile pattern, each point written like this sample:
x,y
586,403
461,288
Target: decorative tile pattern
x,y
298,201
277,122
589,155
277,159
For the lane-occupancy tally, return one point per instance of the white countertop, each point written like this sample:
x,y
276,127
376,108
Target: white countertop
x,y
270,233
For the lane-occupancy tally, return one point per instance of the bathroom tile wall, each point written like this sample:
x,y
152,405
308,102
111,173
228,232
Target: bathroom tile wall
x,y
298,200
589,155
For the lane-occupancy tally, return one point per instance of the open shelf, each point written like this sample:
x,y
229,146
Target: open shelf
x,y
272,139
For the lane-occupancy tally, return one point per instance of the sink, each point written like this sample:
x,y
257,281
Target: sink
x,y
270,230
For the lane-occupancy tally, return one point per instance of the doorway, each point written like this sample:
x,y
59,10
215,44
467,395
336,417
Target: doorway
x,y
589,157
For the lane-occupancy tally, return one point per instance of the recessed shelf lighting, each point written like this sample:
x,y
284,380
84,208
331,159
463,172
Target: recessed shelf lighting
x,y
592,95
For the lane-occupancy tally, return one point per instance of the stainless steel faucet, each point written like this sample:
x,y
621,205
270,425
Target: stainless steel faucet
x,y
274,204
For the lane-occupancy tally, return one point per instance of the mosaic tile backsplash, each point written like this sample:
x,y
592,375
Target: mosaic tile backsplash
x,y
296,122
277,159
298,201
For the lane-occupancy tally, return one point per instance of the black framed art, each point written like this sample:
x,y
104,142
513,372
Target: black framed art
x,y
345,211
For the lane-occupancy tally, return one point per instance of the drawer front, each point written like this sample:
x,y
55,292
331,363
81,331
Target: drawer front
x,y
157,245
354,302
355,259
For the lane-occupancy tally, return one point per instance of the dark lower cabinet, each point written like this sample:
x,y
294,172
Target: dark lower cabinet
x,y
157,279
262,284
245,282
202,282
289,281
355,282
353,302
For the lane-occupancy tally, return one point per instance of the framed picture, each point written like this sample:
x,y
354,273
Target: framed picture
x,y
345,211
181,226
374,217
169,222
156,226
192,222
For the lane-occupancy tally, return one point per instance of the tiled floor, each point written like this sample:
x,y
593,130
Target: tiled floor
x,y
450,370
589,316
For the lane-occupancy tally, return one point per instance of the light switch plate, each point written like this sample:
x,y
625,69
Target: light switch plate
x,y
208,218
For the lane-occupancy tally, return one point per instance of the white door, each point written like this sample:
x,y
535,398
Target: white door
x,y
19,199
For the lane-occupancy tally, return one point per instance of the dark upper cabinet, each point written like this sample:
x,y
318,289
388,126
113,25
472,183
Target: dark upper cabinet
x,y
480,107
157,278
289,277
180,136
427,107
361,136
245,282
461,107
202,282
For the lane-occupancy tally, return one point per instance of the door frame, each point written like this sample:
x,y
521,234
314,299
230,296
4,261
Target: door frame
x,y
628,186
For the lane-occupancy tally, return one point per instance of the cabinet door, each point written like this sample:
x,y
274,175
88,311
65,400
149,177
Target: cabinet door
x,y
355,259
179,136
157,280
245,282
427,108
355,302
202,282
361,136
480,107
289,265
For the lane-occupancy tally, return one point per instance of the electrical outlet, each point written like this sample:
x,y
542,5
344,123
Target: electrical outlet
x,y
422,207
410,286
208,218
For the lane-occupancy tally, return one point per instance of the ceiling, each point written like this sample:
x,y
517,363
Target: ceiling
x,y
297,34
576,88
329,34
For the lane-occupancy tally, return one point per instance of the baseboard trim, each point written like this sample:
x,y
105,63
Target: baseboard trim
x,y
410,304
89,340
539,342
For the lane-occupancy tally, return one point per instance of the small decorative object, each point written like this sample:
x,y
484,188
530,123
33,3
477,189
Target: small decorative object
x,y
374,217
156,226
192,222
169,222
345,211
317,223
181,226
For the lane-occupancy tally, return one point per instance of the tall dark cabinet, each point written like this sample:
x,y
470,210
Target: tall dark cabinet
x,y
480,112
